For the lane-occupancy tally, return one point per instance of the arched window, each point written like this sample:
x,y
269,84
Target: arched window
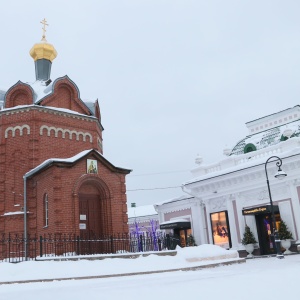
x,y
46,211
249,148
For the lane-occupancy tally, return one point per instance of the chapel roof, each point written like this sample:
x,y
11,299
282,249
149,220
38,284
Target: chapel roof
x,y
71,160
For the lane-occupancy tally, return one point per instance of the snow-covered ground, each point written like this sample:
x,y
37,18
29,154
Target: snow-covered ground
x,y
256,279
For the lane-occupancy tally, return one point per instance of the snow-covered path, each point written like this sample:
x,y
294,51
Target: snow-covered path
x,y
260,279
263,278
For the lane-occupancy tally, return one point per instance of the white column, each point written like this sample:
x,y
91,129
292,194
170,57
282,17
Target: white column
x,y
198,223
244,220
296,206
209,229
232,224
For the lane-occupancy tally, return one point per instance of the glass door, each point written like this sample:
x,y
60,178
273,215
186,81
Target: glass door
x,y
265,232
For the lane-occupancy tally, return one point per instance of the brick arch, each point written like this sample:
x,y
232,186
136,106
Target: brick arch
x,y
66,95
20,94
96,181
17,129
77,134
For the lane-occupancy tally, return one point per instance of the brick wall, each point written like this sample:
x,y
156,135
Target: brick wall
x,y
30,135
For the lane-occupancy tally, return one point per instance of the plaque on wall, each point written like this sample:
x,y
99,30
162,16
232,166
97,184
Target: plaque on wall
x,y
82,217
82,226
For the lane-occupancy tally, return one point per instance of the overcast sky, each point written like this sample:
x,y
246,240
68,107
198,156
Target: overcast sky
x,y
173,78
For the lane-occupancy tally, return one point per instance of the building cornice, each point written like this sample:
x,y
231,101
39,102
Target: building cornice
x,y
47,109
242,179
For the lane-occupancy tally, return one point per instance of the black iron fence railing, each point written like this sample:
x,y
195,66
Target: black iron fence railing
x,y
12,246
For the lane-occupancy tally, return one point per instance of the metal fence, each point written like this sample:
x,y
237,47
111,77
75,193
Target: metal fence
x,y
12,246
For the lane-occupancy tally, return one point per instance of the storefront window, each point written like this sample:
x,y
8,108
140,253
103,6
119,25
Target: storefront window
x,y
220,229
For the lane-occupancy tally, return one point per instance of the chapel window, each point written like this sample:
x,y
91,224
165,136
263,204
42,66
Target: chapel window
x,y
46,211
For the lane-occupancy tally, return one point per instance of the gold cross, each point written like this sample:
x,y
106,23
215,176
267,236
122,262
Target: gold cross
x,y
44,22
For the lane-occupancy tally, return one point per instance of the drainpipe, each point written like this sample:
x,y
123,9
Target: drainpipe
x,y
25,219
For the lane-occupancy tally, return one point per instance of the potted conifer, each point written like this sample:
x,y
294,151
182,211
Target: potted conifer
x,y
285,236
191,240
248,241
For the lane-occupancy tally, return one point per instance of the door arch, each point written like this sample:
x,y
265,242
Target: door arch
x,y
94,208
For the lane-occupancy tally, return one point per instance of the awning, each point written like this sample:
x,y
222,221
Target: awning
x,y
176,224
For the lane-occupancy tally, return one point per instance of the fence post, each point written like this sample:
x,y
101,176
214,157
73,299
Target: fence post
x,y
168,242
111,244
141,243
41,246
9,247
78,247
159,244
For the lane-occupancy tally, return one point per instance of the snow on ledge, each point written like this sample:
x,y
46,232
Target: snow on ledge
x,y
175,221
13,213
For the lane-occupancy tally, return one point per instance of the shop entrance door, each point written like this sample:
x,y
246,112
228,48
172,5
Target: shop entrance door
x,y
183,235
264,226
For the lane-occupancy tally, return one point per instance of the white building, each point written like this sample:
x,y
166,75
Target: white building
x,y
233,192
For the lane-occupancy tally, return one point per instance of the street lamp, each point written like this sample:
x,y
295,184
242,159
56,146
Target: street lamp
x,y
279,175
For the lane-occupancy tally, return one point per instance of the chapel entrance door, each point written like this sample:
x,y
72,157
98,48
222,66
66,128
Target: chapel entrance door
x,y
89,211
90,224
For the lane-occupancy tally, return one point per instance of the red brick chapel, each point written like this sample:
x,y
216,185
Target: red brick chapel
x,y
54,177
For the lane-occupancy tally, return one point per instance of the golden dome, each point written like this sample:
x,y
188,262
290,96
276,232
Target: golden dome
x,y
43,50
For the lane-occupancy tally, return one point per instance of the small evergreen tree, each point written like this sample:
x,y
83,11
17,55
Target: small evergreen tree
x,y
191,241
283,232
248,237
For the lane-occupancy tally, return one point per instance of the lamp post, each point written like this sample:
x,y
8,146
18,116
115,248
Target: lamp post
x,y
279,175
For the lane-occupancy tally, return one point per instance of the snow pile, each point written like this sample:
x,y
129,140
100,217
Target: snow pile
x,y
205,252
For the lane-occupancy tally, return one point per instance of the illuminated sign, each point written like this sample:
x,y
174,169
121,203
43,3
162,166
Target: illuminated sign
x,y
182,225
266,209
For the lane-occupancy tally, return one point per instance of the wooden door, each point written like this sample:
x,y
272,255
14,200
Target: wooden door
x,y
90,215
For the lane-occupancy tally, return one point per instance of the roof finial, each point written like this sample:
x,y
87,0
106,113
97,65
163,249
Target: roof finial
x,y
44,22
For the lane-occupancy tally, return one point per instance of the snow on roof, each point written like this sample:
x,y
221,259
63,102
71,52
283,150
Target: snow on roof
x,y
175,221
69,111
179,198
141,211
40,89
52,160
64,160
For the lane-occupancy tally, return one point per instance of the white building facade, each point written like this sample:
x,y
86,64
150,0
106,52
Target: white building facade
x,y
233,192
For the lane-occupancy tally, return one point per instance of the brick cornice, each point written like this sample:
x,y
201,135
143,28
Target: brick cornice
x,y
48,109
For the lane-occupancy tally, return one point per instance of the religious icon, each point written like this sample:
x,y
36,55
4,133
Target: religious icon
x,y
92,166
